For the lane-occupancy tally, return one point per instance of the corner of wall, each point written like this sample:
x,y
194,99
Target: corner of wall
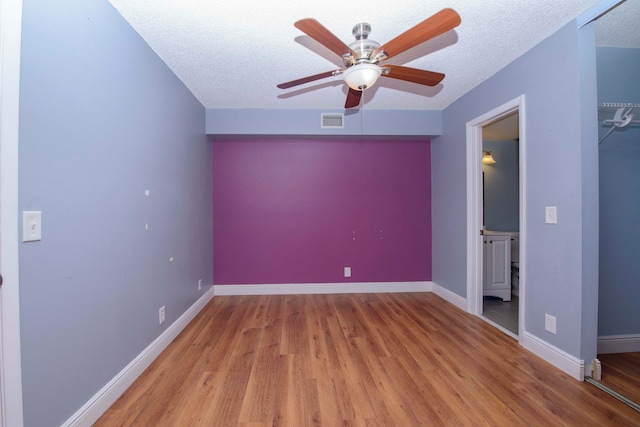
x,y
103,399
449,296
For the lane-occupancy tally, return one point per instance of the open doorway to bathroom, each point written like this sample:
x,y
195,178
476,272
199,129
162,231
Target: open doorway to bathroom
x,y
501,222
491,254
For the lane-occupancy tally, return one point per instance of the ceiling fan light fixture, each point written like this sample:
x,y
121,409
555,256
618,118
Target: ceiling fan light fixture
x,y
362,76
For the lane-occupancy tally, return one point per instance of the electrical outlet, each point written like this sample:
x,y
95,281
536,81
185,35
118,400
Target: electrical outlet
x,y
550,323
347,272
199,284
161,315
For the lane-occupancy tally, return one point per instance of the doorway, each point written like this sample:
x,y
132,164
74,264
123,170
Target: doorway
x,y
500,255
500,225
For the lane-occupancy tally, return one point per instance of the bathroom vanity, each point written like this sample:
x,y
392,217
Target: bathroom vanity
x,y
496,281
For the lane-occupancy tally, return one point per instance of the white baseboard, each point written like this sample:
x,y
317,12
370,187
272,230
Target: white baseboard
x,y
618,344
103,399
449,296
323,288
562,360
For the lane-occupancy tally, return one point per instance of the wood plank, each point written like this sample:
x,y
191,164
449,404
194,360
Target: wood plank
x,y
317,348
192,409
258,404
328,402
290,393
353,360
351,372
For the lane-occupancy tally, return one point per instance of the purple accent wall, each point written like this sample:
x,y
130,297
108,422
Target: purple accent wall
x,y
299,211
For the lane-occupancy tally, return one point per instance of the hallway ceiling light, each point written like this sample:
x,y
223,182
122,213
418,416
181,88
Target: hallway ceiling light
x,y
487,158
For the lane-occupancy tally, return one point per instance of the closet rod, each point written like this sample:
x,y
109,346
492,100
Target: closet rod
x,y
622,118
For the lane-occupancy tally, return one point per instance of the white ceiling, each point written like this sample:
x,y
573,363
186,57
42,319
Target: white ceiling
x,y
619,27
232,54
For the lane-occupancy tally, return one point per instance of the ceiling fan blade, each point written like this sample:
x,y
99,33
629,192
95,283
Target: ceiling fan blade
x,y
423,77
319,33
308,79
353,98
437,24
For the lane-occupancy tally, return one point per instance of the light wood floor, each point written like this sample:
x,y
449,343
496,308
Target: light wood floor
x,y
354,360
621,372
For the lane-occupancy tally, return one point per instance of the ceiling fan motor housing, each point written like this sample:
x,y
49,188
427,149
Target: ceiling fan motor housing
x,y
362,46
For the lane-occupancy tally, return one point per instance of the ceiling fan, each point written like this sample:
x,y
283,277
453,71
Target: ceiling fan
x,y
363,58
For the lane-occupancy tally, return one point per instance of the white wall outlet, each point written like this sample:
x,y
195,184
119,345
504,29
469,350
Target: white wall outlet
x,y
161,315
31,226
347,272
199,284
550,323
551,215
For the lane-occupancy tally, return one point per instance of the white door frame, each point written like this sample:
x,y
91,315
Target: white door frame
x,y
10,362
474,206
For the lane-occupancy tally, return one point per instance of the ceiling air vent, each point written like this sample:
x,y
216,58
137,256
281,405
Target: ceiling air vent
x,y
332,121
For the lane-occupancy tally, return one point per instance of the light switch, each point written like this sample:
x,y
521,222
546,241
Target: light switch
x,y
551,215
31,226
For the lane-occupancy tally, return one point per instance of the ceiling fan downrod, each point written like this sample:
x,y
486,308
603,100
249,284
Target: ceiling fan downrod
x,y
362,46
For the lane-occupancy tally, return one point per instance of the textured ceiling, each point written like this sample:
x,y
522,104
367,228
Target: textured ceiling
x,y
233,54
619,27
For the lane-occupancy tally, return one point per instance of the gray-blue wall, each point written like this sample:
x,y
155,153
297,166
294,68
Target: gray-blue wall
x,y
619,81
377,123
102,119
501,187
557,78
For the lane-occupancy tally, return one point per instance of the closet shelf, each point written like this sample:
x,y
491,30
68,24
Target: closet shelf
x,y
618,115
616,112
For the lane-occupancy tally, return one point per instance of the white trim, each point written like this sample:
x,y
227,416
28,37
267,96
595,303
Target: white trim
x,y
597,11
522,232
474,214
10,37
608,344
103,399
562,360
323,288
474,205
450,297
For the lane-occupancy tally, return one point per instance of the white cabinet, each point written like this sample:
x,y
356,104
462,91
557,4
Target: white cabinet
x,y
497,266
